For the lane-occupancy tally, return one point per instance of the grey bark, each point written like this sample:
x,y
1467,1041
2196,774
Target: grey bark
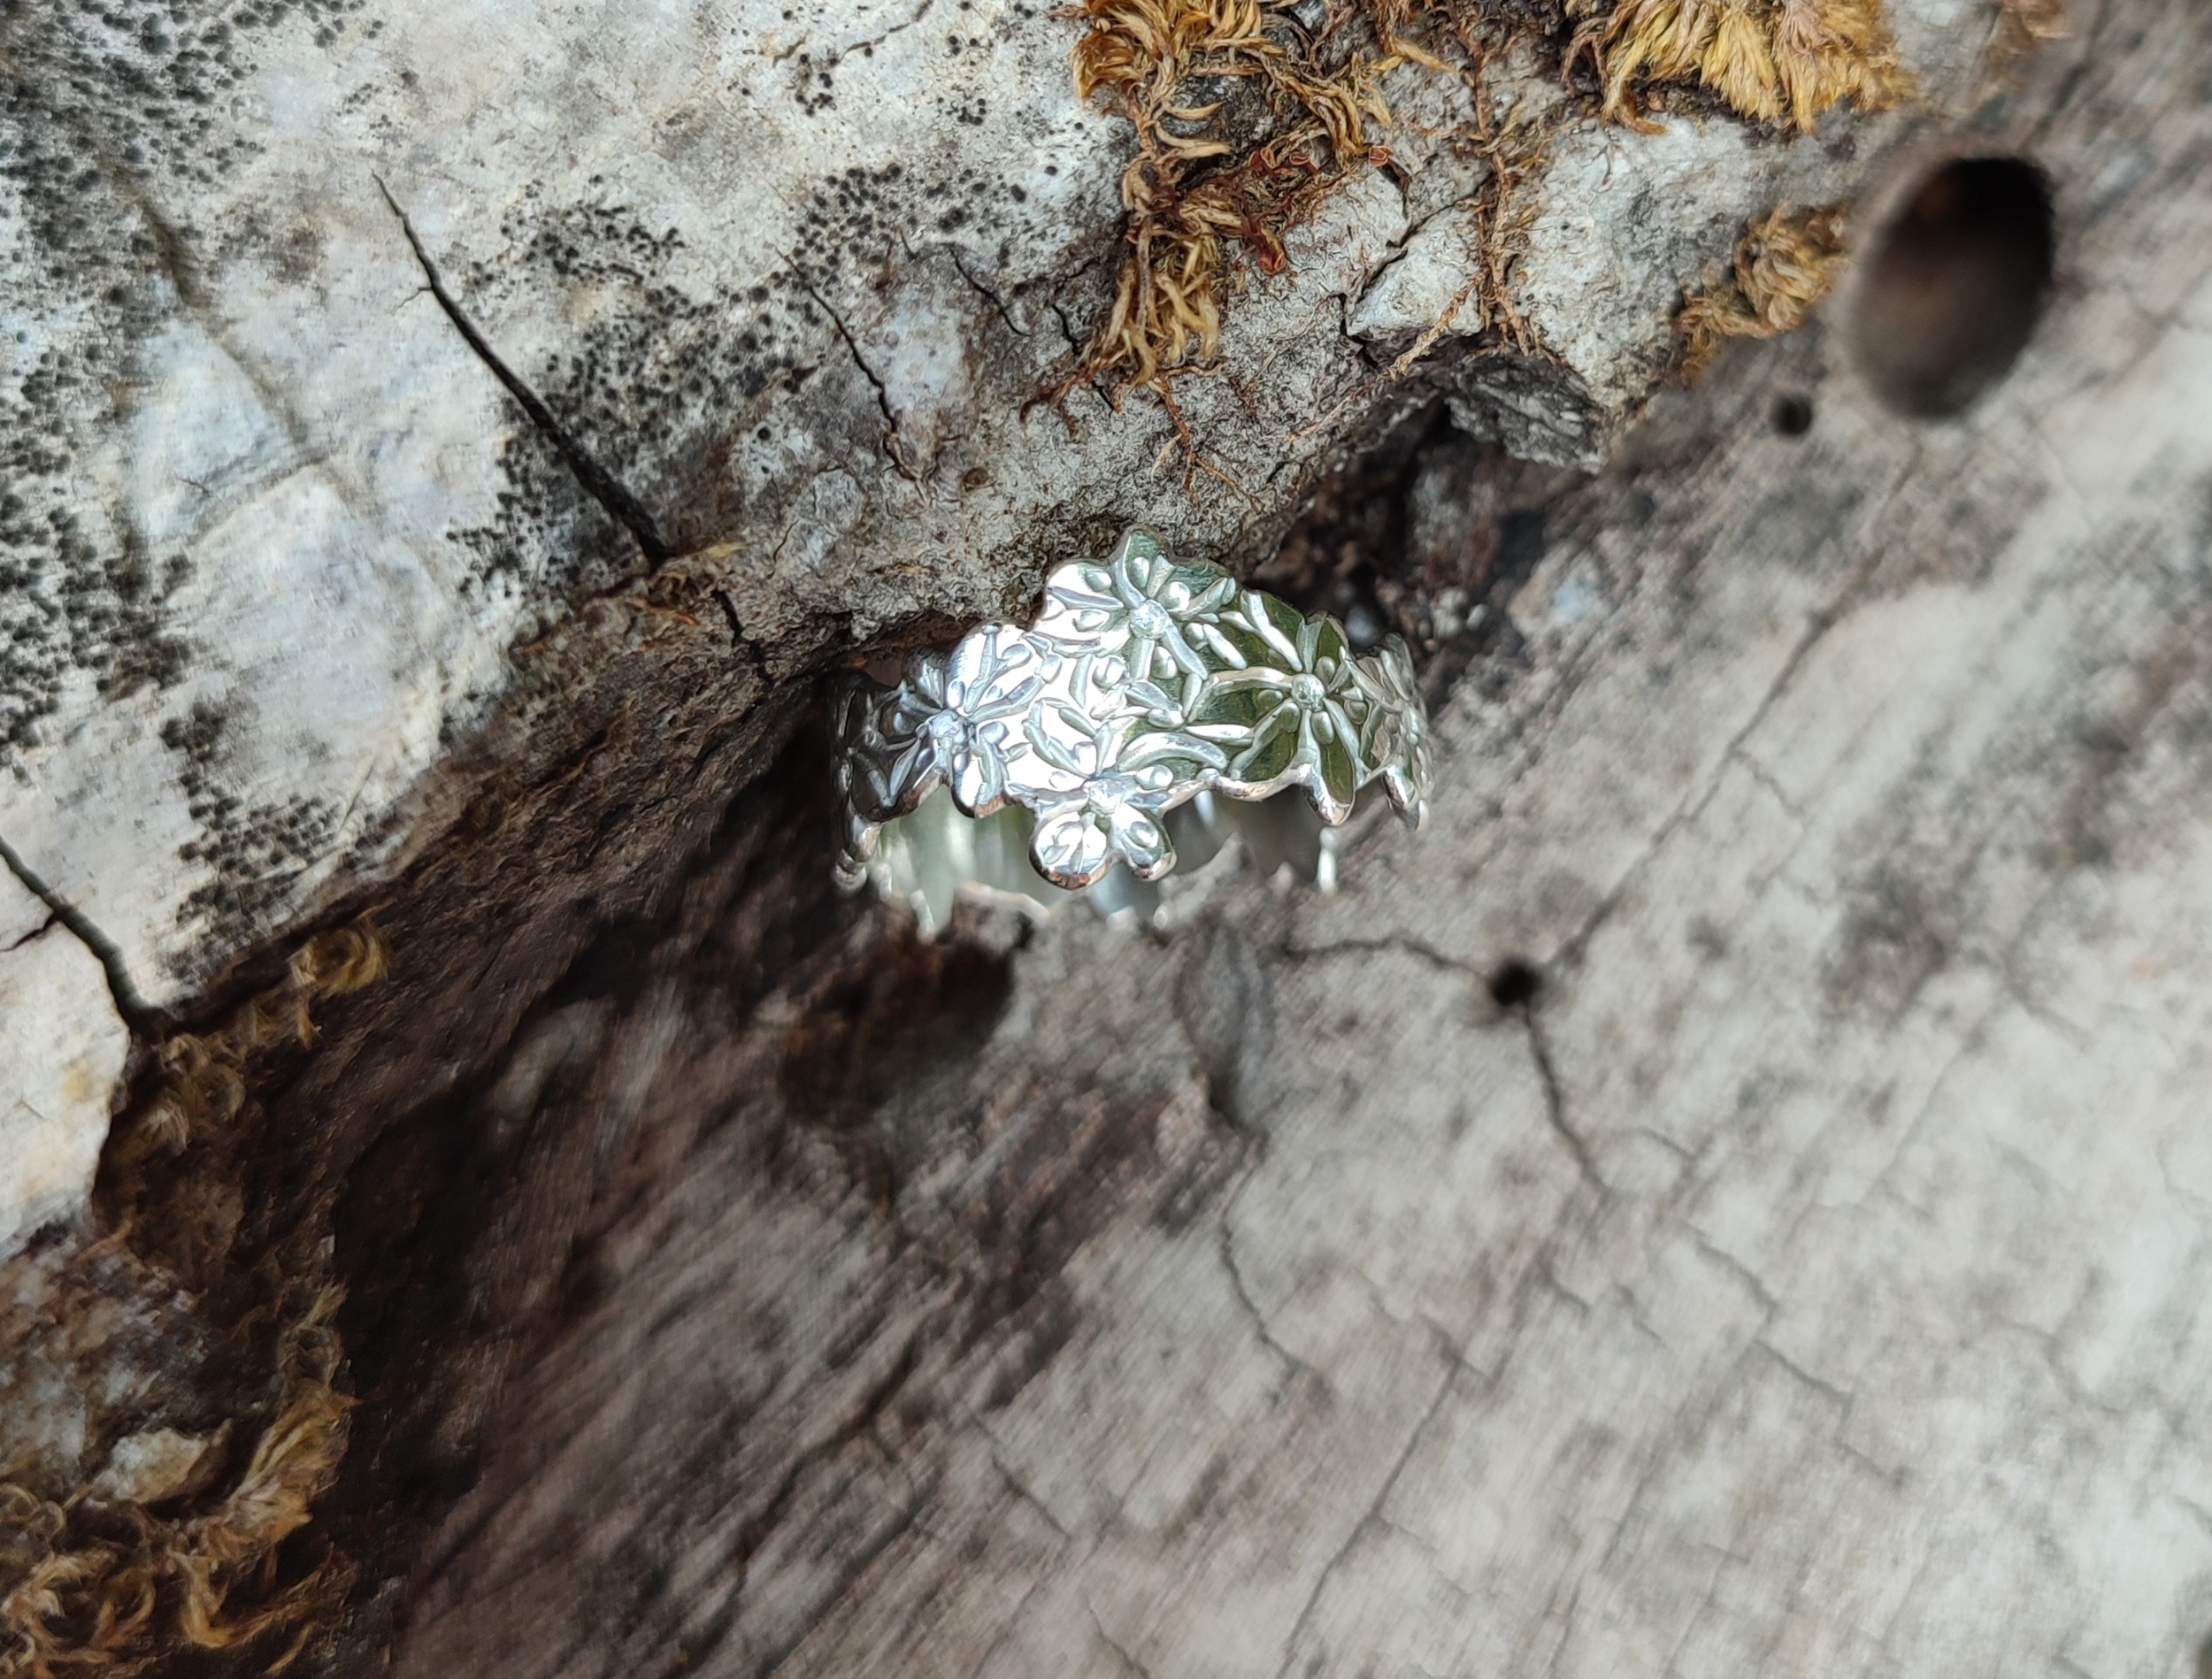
x,y
399,397
1808,1274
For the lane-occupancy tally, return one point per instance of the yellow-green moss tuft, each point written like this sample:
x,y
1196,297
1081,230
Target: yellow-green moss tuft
x,y
1784,61
1786,262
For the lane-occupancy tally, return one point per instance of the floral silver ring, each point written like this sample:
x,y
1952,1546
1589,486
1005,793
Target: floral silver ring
x,y
1145,683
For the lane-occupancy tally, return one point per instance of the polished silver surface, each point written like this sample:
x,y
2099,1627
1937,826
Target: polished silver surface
x,y
1145,684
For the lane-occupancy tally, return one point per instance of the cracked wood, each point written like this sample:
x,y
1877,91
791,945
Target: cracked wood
x,y
1807,1275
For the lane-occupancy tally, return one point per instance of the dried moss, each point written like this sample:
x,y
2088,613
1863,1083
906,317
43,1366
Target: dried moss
x,y
1786,262
1195,195
115,1588
204,1075
93,1583
1502,216
1781,61
2024,25
1189,191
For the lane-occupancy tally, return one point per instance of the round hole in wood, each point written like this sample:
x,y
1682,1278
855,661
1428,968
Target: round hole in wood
x,y
1956,284
1515,983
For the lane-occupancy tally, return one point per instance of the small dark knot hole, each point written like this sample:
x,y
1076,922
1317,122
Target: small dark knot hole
x,y
1515,983
1792,415
1955,285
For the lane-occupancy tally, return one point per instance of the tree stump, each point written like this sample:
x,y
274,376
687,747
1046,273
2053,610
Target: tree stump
x,y
1731,1194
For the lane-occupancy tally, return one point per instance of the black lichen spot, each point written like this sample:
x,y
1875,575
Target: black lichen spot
x,y
616,393
103,104
667,381
65,604
541,511
814,84
672,381
256,852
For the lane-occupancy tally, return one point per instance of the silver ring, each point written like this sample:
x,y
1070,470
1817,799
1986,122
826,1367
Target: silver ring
x,y
1145,683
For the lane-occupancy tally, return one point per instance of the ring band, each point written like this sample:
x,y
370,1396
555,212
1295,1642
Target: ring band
x,y
1144,682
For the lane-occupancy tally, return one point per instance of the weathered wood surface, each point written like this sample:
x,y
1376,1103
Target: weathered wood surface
x,y
296,569
1811,1277
50,988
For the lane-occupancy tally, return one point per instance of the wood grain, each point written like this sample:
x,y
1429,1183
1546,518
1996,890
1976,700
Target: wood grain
x,y
1809,1278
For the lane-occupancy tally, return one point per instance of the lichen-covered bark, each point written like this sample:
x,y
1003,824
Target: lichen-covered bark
x,y
357,345
1804,1274
1803,1268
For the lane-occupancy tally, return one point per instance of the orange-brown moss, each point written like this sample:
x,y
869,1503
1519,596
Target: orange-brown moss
x,y
1194,199
2024,25
108,1584
1784,61
1501,218
1190,193
1786,262
115,1588
204,1075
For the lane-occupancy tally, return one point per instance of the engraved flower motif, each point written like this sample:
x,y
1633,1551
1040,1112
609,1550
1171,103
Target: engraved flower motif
x,y
1396,736
1110,780
1145,608
1111,816
955,719
1292,716
863,776
1142,684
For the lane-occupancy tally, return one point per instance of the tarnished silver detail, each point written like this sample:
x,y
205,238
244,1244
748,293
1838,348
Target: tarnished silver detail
x,y
1144,683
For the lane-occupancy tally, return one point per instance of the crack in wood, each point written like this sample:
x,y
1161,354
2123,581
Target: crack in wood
x,y
128,1003
600,484
746,1543
891,450
1555,1101
45,927
1372,1517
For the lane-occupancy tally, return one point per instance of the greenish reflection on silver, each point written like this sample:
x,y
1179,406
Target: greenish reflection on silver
x,y
930,858
1151,704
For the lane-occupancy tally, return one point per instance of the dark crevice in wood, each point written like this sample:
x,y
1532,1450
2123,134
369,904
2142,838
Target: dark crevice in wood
x,y
128,1003
600,484
432,1205
1427,534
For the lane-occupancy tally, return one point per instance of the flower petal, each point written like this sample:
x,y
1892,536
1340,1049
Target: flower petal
x,y
1069,848
925,678
979,781
1142,842
1185,655
1276,623
1337,783
1210,602
1221,646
